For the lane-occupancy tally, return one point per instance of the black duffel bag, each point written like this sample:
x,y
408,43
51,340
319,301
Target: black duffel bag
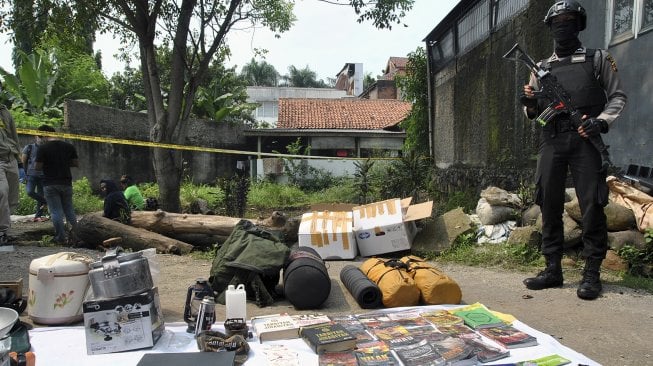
x,y
306,282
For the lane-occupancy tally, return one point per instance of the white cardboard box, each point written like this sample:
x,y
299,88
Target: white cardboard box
x,y
387,226
124,323
329,233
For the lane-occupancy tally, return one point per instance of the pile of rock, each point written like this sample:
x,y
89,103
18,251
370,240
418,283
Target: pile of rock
x,y
503,218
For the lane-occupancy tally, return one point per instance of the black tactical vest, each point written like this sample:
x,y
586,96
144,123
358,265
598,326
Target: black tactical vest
x,y
578,77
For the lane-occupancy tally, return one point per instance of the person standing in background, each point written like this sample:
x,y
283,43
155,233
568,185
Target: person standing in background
x,y
9,184
34,186
132,194
55,158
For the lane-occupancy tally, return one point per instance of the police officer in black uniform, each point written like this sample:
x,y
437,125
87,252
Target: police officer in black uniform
x,y
591,79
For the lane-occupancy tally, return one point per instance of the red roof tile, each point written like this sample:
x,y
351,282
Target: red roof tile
x,y
359,114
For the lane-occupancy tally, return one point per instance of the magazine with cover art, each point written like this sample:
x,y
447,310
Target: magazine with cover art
x,y
354,326
457,330
419,354
375,353
390,332
337,359
485,352
441,318
509,336
455,351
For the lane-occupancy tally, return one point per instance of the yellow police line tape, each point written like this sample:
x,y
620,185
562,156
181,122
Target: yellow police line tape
x,y
73,136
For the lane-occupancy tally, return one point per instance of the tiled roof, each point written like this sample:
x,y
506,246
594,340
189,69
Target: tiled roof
x,y
361,114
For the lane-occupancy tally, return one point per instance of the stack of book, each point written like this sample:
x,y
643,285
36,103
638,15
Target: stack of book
x,y
466,336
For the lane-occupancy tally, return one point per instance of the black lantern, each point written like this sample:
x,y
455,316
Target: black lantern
x,y
194,296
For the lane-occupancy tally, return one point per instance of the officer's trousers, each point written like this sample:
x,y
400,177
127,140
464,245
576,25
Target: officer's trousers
x,y
559,153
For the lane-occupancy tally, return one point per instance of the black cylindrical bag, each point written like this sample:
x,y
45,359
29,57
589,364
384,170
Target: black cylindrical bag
x,y
306,282
367,293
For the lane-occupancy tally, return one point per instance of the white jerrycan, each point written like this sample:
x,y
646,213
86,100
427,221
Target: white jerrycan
x,y
236,302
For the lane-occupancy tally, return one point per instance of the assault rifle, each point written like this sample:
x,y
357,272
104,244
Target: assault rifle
x,y
558,98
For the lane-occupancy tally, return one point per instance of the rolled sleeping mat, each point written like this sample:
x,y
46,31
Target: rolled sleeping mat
x,y
306,281
367,293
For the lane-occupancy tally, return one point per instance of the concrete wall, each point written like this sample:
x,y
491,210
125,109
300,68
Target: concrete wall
x,y
480,137
631,136
110,160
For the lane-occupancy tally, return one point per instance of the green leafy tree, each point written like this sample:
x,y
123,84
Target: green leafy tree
x,y
78,75
195,30
29,21
368,80
302,78
415,87
259,74
126,90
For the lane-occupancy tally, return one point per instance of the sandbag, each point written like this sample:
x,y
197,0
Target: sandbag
x,y
367,293
435,287
391,275
306,281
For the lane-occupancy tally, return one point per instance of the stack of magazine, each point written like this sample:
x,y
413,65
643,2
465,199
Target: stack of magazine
x,y
427,337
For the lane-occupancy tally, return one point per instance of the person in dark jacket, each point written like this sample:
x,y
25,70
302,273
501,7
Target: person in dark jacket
x,y
591,78
115,204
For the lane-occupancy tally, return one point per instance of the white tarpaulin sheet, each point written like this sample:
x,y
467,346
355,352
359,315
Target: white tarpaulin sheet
x,y
66,346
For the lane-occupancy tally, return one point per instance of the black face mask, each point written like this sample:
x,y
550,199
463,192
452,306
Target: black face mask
x,y
565,34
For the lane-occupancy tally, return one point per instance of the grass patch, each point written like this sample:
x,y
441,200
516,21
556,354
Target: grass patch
x,y
636,282
84,200
523,258
266,195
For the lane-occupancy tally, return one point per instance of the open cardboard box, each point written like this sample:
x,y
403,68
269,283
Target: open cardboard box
x,y
329,233
339,232
387,226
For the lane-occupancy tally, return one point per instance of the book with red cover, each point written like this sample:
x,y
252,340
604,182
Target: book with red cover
x,y
509,336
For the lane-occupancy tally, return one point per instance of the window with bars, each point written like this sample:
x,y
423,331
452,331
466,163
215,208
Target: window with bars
x,y
629,18
473,27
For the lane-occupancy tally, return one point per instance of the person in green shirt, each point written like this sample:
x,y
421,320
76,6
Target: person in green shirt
x,y
132,194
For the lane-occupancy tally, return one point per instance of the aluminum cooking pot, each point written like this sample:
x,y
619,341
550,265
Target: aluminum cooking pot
x,y
120,274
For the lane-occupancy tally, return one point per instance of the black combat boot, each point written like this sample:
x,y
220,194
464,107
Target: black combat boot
x,y
550,277
590,286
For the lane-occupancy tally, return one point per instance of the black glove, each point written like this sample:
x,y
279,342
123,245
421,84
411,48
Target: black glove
x,y
528,102
594,126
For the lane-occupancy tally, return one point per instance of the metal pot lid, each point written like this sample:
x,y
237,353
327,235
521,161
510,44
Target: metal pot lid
x,y
119,255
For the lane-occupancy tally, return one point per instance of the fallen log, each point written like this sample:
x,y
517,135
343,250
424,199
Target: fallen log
x,y
93,229
172,224
190,227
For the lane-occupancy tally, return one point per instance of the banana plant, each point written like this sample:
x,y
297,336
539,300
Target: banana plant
x,y
31,87
218,107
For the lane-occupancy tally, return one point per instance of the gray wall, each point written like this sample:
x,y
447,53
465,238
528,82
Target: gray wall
x,y
480,137
631,137
110,160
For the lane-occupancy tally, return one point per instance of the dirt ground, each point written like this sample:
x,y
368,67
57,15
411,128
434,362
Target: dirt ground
x,y
613,330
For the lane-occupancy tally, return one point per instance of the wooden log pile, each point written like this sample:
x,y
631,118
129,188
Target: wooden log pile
x,y
172,233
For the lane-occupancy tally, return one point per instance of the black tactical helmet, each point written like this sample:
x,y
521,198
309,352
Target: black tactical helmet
x,y
564,7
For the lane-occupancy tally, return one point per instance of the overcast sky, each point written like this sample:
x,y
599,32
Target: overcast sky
x,y
324,38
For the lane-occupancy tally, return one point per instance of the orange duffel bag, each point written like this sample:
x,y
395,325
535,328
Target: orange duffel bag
x,y
435,286
396,284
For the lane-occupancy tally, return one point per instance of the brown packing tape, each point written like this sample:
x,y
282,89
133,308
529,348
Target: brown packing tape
x,y
340,221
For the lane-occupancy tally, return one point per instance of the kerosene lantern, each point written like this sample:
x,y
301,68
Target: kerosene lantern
x,y
194,296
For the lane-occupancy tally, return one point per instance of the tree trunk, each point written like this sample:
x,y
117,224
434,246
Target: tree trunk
x,y
93,229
